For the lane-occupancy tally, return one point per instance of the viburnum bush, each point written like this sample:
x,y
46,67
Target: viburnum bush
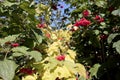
x,y
96,36
88,48
30,49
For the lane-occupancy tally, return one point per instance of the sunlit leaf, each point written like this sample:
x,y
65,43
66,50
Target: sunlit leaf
x,y
38,37
71,66
21,49
101,3
111,37
17,54
93,71
7,69
41,8
116,45
36,55
116,12
8,39
9,4
26,6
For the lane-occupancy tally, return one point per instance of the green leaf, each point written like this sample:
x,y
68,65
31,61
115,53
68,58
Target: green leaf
x,y
39,67
100,3
29,42
7,69
116,12
17,54
96,32
9,4
26,6
116,45
71,66
21,49
8,38
38,37
36,55
41,8
93,71
53,63
111,37
81,78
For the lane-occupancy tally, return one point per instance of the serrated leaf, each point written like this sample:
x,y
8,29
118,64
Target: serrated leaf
x,y
17,54
7,3
53,63
96,32
116,45
116,12
41,8
62,71
8,38
93,71
36,55
7,69
39,67
111,37
103,23
21,49
38,37
71,66
81,70
100,3
26,6
82,78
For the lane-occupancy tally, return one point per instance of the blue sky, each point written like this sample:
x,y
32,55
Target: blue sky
x,y
61,10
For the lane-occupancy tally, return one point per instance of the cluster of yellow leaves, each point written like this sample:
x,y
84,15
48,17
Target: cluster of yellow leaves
x,y
30,77
58,43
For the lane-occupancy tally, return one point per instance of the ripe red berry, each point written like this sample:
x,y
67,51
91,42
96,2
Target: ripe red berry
x,y
103,36
27,71
85,13
47,35
60,57
41,25
15,44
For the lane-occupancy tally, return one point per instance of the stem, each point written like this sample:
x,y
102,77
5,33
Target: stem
x,y
6,55
103,51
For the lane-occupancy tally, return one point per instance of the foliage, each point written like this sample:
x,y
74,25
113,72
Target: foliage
x,y
30,48
87,48
98,42
7,71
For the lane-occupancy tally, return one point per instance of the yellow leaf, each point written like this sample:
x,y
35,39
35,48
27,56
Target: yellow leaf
x,y
62,72
68,58
30,77
72,54
81,69
53,36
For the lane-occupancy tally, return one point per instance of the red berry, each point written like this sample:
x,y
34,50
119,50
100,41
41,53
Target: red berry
x,y
85,13
76,78
99,19
27,71
47,35
41,25
103,36
60,39
15,44
60,57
